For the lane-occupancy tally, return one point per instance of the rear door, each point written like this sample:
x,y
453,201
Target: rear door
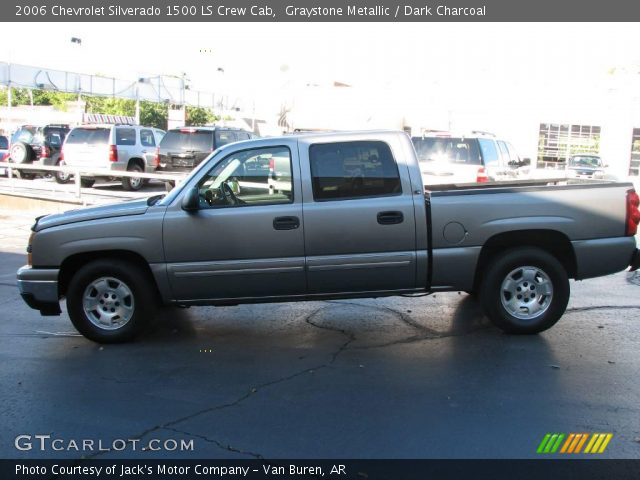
x,y
148,144
87,147
359,227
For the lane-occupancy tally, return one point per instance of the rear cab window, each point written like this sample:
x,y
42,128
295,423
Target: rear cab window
x,y
223,137
187,139
351,170
455,150
89,135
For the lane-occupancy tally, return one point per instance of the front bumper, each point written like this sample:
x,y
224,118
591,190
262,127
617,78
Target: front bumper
x,y
39,289
635,261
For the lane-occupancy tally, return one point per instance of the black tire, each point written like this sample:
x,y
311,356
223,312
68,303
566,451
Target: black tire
x,y
87,182
141,300
169,185
517,316
62,177
24,174
21,153
133,184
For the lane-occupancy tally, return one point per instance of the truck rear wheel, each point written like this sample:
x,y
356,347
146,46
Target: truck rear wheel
x,y
110,301
525,290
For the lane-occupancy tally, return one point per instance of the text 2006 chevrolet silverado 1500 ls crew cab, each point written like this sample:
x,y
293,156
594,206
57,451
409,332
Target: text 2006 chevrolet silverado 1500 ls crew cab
x,y
327,216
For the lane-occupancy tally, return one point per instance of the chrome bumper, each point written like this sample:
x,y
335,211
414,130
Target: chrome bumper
x,y
39,289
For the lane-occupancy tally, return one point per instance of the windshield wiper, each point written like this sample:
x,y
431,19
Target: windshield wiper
x,y
155,199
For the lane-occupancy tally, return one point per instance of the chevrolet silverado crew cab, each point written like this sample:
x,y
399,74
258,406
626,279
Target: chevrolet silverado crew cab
x,y
320,216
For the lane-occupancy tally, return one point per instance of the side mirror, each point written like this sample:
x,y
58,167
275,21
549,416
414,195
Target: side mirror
x,y
191,200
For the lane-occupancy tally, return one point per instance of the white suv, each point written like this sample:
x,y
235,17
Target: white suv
x,y
478,157
112,148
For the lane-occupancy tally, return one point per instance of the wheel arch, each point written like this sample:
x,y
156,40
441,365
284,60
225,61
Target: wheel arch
x,y
73,263
551,241
136,161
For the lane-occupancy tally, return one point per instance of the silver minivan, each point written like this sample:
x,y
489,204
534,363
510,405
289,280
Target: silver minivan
x,y
131,148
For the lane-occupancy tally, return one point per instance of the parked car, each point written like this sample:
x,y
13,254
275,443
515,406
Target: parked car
x,y
41,145
182,149
354,221
586,165
113,148
4,153
475,158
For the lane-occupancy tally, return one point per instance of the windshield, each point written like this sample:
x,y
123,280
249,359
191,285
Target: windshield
x,y
89,135
585,161
187,141
448,150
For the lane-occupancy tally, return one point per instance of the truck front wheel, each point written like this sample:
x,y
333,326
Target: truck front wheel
x,y
524,291
110,301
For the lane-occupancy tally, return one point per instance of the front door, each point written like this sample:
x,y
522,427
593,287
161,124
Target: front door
x,y
246,240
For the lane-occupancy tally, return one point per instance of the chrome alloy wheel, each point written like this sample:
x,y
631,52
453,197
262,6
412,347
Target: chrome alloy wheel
x,y
108,303
526,292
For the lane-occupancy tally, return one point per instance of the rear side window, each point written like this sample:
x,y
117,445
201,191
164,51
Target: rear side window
x,y
187,140
88,135
4,143
504,151
224,137
489,152
125,136
348,170
146,138
456,150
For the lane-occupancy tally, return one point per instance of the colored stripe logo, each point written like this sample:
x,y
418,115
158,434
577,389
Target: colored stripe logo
x,y
574,443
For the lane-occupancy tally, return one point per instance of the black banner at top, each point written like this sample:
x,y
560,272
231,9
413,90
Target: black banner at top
x,y
319,11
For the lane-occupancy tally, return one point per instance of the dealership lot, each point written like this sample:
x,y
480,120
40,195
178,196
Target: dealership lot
x,y
385,378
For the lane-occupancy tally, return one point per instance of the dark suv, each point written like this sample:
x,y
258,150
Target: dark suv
x,y
182,149
31,144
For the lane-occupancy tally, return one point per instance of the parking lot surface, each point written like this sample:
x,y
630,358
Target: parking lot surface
x,y
398,377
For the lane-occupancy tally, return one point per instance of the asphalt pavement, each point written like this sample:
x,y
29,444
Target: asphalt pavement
x,y
399,377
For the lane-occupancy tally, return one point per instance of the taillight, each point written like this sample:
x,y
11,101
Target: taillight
x,y
45,152
61,153
633,214
113,153
482,177
156,158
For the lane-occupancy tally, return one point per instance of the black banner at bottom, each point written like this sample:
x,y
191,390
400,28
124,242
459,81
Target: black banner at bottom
x,y
543,468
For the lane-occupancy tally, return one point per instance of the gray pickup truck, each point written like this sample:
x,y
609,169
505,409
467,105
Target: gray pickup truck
x,y
320,216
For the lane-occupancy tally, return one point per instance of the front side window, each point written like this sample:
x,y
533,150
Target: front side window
x,y
260,176
125,136
347,170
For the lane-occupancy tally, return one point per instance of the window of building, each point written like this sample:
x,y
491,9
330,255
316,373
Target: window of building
x,y
348,170
634,164
557,142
